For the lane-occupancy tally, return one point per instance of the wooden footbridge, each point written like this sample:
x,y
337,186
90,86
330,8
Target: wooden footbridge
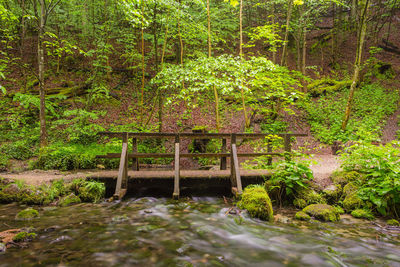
x,y
234,173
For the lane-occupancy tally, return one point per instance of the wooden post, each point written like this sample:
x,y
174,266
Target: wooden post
x,y
122,172
269,150
135,161
288,147
237,179
223,159
175,195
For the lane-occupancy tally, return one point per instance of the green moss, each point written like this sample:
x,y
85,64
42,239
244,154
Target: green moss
x,y
339,209
302,216
350,189
344,177
325,86
27,214
24,236
311,196
352,202
69,200
363,214
257,202
323,212
299,203
393,222
333,192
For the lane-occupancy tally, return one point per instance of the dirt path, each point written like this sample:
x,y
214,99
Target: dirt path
x,y
324,166
391,127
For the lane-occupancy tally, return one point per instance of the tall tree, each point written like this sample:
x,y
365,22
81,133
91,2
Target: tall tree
x,y
362,29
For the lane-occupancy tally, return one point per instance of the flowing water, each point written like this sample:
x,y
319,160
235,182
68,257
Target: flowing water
x,y
192,232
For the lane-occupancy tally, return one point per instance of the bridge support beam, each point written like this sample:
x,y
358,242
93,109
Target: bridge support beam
x,y
175,195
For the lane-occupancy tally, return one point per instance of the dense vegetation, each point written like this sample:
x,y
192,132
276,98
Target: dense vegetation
x,y
69,69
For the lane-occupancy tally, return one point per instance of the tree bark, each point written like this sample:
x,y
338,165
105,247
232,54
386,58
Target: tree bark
x,y
209,28
241,28
42,111
357,65
285,40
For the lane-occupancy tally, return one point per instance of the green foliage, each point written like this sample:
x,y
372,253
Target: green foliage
x,y
393,222
269,34
381,167
69,200
372,104
257,202
302,216
91,191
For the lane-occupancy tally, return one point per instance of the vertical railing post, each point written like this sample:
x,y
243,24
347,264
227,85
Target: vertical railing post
x,y
175,195
269,150
233,141
288,147
135,161
235,171
223,159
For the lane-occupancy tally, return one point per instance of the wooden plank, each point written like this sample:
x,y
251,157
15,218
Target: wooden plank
x,y
238,180
190,155
222,165
184,174
121,171
175,195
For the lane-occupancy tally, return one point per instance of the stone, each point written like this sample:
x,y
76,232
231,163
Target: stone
x,y
3,248
323,212
69,200
257,202
302,216
362,214
27,214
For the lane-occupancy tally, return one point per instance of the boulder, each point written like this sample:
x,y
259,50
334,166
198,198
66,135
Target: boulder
x,y
323,212
257,202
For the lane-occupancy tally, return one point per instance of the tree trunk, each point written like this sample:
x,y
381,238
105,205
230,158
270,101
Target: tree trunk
x,y
209,28
42,111
241,28
143,68
160,96
285,40
357,65
303,61
23,30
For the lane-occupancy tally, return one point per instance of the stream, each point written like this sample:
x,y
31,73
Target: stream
x,y
191,232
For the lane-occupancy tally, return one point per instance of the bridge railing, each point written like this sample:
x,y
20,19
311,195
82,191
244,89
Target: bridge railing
x,y
223,155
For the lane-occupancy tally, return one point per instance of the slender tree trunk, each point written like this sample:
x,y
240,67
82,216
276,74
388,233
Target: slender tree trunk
x,y
42,111
357,65
303,62
143,68
23,30
155,38
160,96
209,28
241,28
273,23
217,120
285,39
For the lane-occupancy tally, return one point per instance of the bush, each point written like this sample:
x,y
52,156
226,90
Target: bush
x,y
381,167
372,104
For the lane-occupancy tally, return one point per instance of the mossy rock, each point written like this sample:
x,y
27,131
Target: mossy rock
x,y
326,86
69,200
256,201
350,189
333,192
345,177
362,214
33,197
302,216
352,202
27,214
339,209
24,237
92,193
393,222
311,196
300,203
323,212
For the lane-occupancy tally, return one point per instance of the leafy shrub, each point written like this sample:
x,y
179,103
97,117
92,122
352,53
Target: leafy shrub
x,y
372,104
20,150
381,166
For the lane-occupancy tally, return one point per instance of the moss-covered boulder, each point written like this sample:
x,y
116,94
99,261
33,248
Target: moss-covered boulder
x,y
349,189
323,212
352,202
333,192
24,237
257,202
27,214
344,177
69,200
299,203
393,222
10,193
302,216
362,214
